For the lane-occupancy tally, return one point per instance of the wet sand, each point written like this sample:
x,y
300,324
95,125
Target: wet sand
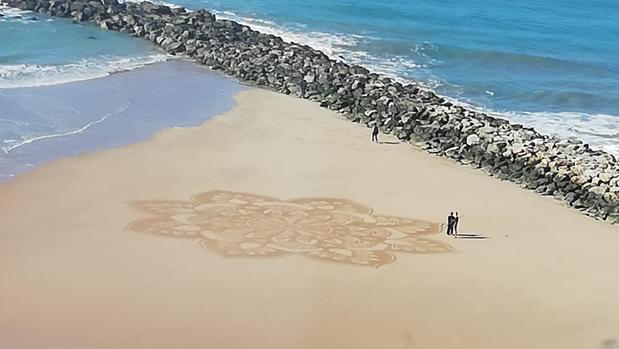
x,y
44,123
109,250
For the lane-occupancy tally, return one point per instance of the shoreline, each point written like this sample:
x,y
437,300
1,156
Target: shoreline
x,y
113,111
88,263
270,221
568,170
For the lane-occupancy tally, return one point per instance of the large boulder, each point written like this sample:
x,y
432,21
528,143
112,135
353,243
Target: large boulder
x,y
472,140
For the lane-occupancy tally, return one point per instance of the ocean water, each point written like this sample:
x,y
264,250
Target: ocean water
x,y
551,64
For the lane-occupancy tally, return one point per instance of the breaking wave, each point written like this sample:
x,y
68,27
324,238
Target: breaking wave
x,y
30,75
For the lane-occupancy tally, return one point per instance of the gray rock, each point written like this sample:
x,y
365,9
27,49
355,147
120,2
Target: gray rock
x,y
567,169
106,25
600,190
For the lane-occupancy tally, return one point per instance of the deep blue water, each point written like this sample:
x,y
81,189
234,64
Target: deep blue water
x,y
525,55
551,64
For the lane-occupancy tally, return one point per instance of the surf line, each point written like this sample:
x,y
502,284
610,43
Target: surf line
x,y
6,150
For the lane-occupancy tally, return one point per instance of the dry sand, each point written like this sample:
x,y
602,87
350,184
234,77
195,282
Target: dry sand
x,y
73,275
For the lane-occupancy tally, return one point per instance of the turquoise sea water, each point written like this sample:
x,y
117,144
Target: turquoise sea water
x,y
551,64
36,50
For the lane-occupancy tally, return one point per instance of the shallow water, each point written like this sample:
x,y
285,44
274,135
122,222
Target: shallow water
x,y
50,122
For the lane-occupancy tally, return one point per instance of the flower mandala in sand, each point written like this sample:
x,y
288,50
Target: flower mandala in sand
x,y
240,224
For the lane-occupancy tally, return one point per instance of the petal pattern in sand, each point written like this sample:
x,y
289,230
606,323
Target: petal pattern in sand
x,y
241,224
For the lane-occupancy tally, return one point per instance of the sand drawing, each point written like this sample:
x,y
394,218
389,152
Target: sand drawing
x,y
241,224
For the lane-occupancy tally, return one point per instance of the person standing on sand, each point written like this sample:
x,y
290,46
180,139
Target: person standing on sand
x,y
375,132
451,220
303,85
456,220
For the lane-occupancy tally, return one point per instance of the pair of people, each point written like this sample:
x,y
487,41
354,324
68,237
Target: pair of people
x,y
452,224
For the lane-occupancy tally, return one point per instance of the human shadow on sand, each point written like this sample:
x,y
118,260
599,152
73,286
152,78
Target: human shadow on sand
x,y
471,236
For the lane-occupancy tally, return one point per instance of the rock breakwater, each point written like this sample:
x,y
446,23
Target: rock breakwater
x,y
569,170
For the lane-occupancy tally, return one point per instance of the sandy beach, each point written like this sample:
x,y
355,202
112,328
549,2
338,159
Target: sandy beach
x,y
224,236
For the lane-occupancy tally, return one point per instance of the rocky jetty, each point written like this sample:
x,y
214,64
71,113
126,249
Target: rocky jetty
x,y
569,170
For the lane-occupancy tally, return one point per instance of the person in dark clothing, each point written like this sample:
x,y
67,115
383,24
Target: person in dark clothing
x,y
456,220
375,132
303,85
451,221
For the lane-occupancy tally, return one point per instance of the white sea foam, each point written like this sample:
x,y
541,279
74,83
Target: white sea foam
x,y
14,144
331,44
169,4
29,75
601,131
341,47
11,13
